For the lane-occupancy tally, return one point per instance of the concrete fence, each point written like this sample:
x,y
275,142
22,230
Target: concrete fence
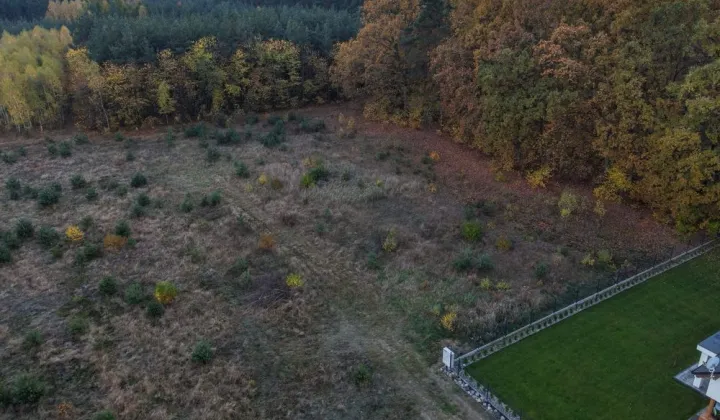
x,y
455,365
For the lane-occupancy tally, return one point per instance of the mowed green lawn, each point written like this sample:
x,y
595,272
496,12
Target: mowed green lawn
x,y
617,359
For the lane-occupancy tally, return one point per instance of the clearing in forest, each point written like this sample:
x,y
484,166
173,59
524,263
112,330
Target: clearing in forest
x,y
615,360
316,267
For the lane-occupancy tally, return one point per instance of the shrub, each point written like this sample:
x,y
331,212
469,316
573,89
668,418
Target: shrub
x,y
312,125
568,203
170,137
121,191
48,196
81,138
362,375
212,200
114,242
32,339
74,234
21,151
129,156
91,194
604,256
503,243
267,242
29,192
212,154
8,157
143,200
104,415
119,137
137,211
165,292
372,261
347,126
197,130
240,266
65,149
315,174
78,325
154,309
10,239
251,118
276,136
13,184
48,237
502,286
539,177
485,284
465,261
55,186
202,353
77,182
187,204
108,286
483,262
541,270
241,169
471,231
138,180
228,137
87,253
448,320
122,228
52,149
390,243
27,389
134,294
86,223
24,229
276,184
5,255
294,281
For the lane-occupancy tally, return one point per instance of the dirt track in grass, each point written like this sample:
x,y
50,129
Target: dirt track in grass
x,y
281,352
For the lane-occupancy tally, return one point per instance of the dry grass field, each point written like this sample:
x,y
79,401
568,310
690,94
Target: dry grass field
x,y
399,251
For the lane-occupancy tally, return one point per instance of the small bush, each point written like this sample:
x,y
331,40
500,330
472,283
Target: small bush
x,y
212,200
29,192
91,194
503,243
202,353
372,261
251,118
539,177
170,137
52,149
197,130
65,149
48,237
10,239
471,231
276,136
154,309
77,182
13,184
121,191
604,257
104,415
134,294
485,284
137,211
276,184
312,176
81,138
122,228
390,243
165,292
108,286
5,255
119,137
240,266
568,203
267,242
541,270
187,204
484,262
502,286
464,262
143,200
86,223
114,242
74,234
8,157
33,339
24,229
228,137
129,156
138,180
48,196
212,154
362,375
78,325
27,389
312,125
294,281
241,169
87,253
55,186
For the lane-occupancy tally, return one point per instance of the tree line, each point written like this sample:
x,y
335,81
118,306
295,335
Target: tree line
x,y
623,94
46,82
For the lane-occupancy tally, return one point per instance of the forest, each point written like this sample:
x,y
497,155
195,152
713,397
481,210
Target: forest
x,y
621,94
